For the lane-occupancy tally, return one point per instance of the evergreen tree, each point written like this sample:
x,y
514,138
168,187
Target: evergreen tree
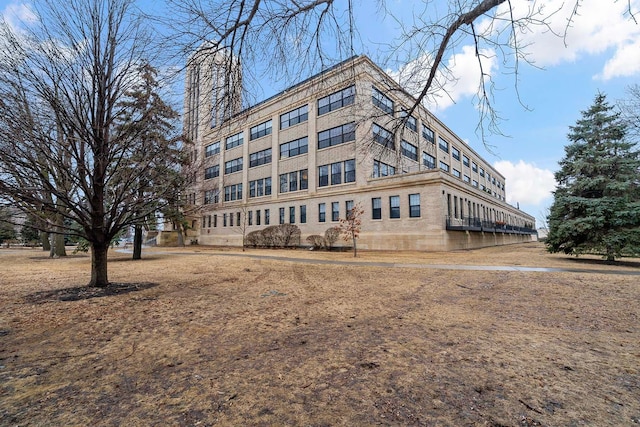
x,y
596,207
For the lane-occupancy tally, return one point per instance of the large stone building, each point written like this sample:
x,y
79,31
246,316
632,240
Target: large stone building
x,y
339,138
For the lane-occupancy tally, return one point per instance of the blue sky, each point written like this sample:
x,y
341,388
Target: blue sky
x,y
600,53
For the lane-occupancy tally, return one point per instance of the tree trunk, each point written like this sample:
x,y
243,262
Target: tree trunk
x,y
355,250
137,242
44,238
180,236
59,246
99,265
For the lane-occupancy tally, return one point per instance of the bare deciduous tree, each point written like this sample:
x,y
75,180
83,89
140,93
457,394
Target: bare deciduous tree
x,y
62,80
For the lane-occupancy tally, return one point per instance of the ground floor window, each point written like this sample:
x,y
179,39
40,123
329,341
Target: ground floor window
x,y
322,212
303,214
281,215
394,207
376,208
414,205
335,211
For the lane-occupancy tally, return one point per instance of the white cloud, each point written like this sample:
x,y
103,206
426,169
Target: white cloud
x,y
598,27
526,183
462,78
17,14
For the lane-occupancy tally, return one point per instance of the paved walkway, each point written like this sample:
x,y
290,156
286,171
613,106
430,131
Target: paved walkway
x,y
411,265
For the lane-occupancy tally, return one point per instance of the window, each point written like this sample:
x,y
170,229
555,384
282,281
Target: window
x,y
335,211
381,169
466,178
292,214
376,208
455,153
212,172
281,215
444,145
337,135
234,141
394,207
408,150
340,172
348,207
258,217
215,220
474,166
322,212
267,216
303,214
260,187
336,173
414,205
294,148
232,166
233,192
428,160
224,220
456,173
481,172
294,117
294,181
444,166
427,134
474,183
323,176
260,130
383,136
350,170
465,161
211,196
381,101
250,218
260,158
411,121
212,149
336,100
238,218
230,220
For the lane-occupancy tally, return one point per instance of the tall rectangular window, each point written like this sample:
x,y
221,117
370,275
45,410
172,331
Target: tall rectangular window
x,y
335,211
394,207
383,136
294,148
258,131
381,101
258,217
323,176
409,150
348,207
376,208
465,160
444,145
428,160
250,218
414,205
336,173
215,221
281,215
337,135
260,158
224,220
212,149
303,214
234,141
322,212
336,100
427,134
294,117
230,220
455,153
474,166
292,214
350,170
267,216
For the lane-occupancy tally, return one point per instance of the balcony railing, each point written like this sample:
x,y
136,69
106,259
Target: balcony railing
x,y
476,224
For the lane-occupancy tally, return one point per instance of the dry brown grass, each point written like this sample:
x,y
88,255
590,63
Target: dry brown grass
x,y
228,340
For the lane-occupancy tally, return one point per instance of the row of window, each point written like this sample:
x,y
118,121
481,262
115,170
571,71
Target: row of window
x,y
376,212
340,172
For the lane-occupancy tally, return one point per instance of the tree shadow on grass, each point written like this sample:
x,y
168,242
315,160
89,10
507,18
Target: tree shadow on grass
x,y
603,262
86,292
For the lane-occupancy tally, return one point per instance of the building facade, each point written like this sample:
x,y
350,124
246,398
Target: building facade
x,y
346,136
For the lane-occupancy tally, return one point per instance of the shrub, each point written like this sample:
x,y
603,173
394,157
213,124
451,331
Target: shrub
x,y
330,237
275,236
316,241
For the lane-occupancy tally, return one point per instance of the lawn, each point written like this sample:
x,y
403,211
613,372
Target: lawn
x,y
207,336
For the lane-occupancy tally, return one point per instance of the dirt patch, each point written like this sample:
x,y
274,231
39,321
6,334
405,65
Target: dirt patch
x,y
85,292
229,341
